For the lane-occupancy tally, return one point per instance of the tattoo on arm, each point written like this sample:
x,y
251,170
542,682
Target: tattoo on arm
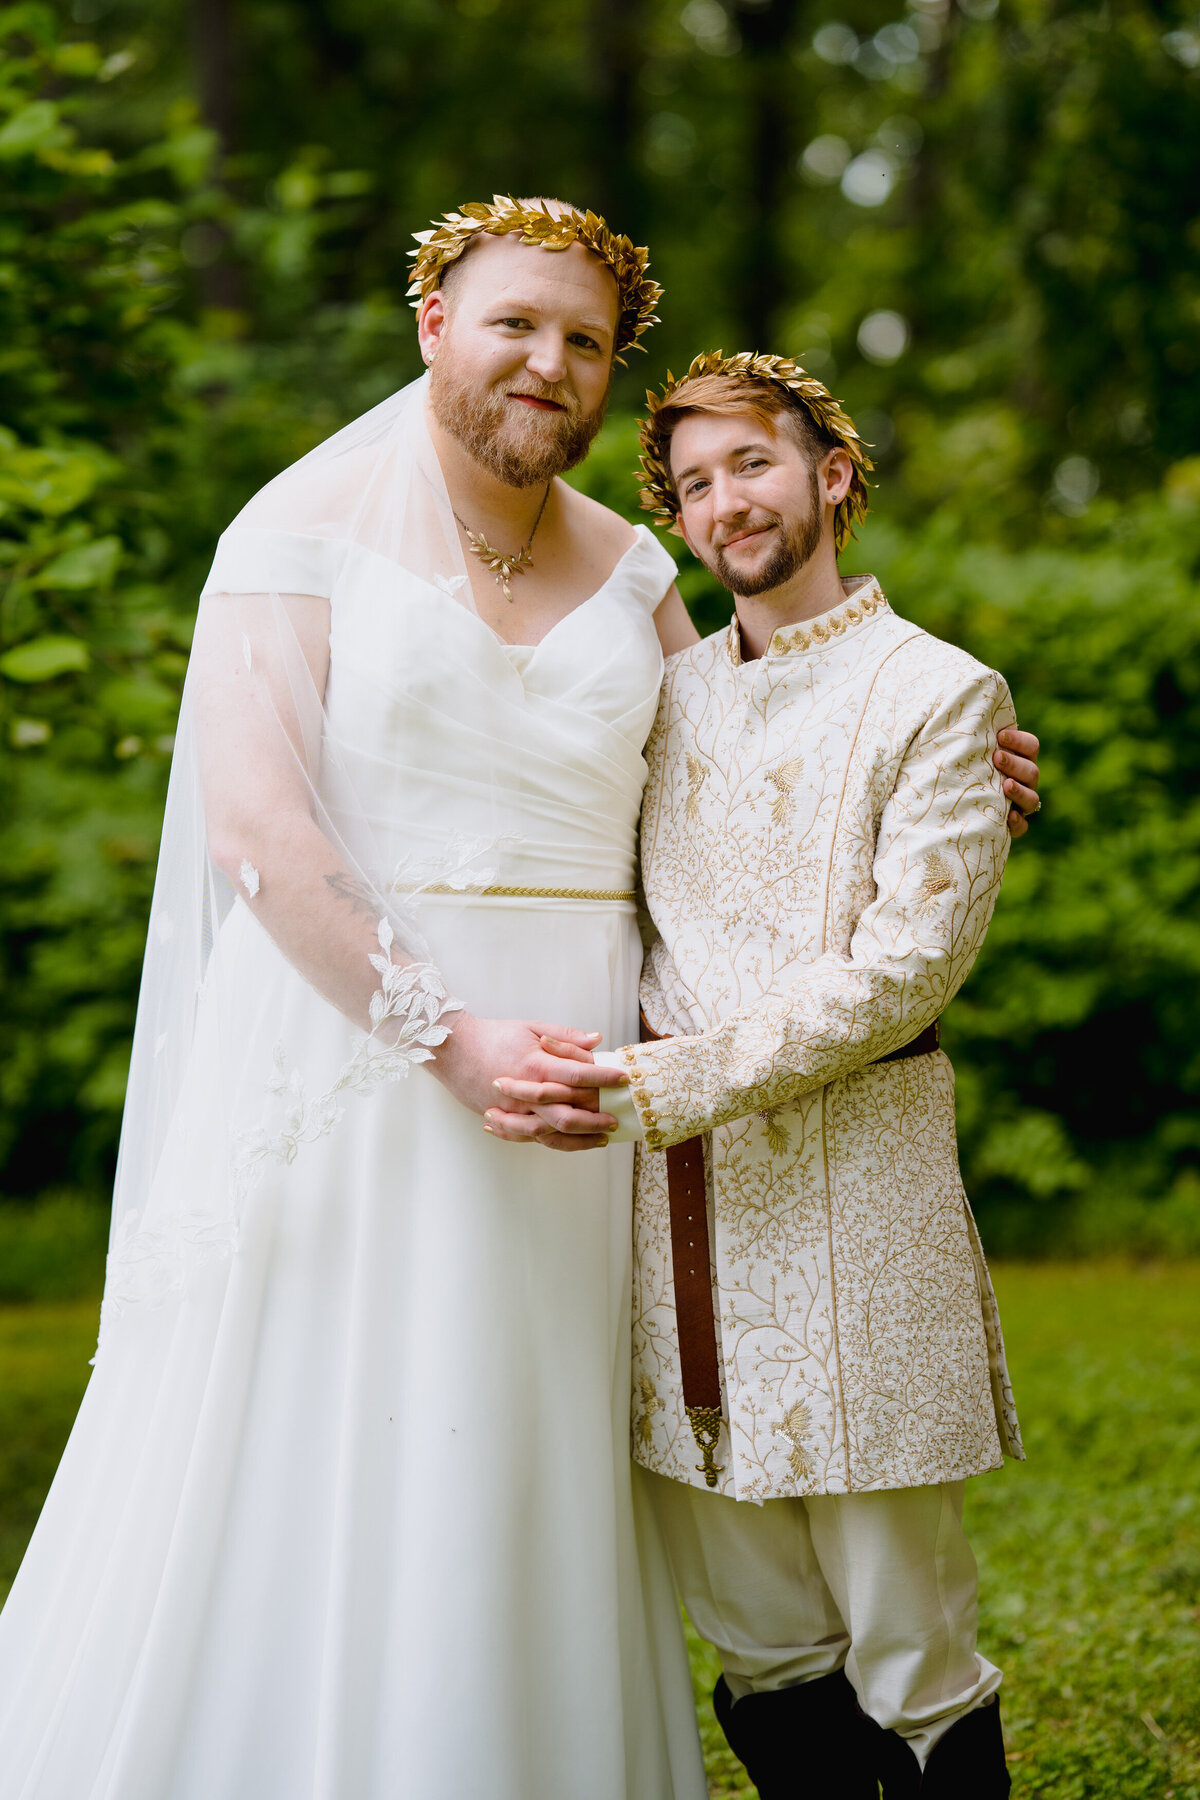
x,y
354,892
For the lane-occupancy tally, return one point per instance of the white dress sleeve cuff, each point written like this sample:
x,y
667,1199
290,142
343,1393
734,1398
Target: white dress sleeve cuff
x,y
619,1102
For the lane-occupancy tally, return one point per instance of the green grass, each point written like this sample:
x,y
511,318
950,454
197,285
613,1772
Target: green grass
x,y
1089,1553
44,1353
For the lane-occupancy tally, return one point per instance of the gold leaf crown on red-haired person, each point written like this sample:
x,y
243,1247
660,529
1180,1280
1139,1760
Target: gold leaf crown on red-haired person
x,y
658,494
538,225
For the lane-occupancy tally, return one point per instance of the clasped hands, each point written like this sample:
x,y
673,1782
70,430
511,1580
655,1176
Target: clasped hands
x,y
534,1083
563,1111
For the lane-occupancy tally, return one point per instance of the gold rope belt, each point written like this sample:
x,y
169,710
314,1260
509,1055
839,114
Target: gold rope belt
x,y
537,893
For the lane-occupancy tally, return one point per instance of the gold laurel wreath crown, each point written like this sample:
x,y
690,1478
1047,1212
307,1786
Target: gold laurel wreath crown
x,y
658,494
452,234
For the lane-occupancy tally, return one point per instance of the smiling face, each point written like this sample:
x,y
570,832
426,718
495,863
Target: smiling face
x,y
753,506
520,349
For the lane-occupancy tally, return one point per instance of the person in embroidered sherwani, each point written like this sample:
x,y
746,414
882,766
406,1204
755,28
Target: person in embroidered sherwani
x,y
823,836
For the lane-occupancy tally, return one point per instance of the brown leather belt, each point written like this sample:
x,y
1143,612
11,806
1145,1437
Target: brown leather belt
x,y
691,1260
700,1371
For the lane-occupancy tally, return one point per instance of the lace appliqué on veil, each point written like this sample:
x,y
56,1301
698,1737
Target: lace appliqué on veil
x,y
407,1010
146,1268
150,1264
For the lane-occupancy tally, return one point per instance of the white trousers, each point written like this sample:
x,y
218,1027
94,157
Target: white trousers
x,y
884,1583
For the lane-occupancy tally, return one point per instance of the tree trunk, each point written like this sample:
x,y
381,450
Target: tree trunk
x,y
615,38
214,59
771,82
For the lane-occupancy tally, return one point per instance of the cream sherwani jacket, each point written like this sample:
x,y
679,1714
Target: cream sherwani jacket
x,y
822,841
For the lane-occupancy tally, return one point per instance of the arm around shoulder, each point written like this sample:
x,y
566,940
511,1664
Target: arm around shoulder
x,y
673,623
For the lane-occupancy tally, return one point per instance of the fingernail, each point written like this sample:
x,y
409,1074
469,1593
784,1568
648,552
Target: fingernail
x,y
489,1131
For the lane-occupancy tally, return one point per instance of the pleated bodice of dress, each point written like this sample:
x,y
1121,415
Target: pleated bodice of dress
x,y
452,739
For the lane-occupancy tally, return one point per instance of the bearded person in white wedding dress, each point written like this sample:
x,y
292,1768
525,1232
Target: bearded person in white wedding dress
x,y
347,1510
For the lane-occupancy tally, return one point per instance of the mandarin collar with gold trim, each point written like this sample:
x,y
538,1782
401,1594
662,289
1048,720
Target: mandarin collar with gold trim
x,y
863,600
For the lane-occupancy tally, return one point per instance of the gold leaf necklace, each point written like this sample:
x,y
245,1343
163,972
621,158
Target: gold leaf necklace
x,y
505,567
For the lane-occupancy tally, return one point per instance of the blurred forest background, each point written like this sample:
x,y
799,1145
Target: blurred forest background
x,y
977,220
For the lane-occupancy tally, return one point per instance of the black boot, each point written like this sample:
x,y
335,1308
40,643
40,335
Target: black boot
x,y
809,1740
966,1763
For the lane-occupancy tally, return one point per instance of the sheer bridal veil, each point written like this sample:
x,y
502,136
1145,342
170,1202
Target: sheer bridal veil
x,y
293,847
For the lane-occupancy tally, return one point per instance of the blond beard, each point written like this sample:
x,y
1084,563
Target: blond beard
x,y
520,446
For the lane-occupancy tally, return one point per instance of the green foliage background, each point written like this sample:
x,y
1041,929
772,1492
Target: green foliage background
x,y
977,221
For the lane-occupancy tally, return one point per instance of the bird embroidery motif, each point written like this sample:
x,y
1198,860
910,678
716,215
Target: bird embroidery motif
x,y
777,1135
783,779
697,776
650,1405
797,1425
937,879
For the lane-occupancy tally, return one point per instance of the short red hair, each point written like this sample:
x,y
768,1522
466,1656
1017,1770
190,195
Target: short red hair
x,y
773,391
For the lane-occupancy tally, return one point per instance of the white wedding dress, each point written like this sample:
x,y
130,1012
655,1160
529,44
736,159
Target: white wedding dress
x,y
347,1513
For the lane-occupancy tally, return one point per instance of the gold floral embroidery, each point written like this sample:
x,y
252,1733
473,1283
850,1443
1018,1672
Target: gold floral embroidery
x,y
697,776
783,779
796,1427
848,1289
853,611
